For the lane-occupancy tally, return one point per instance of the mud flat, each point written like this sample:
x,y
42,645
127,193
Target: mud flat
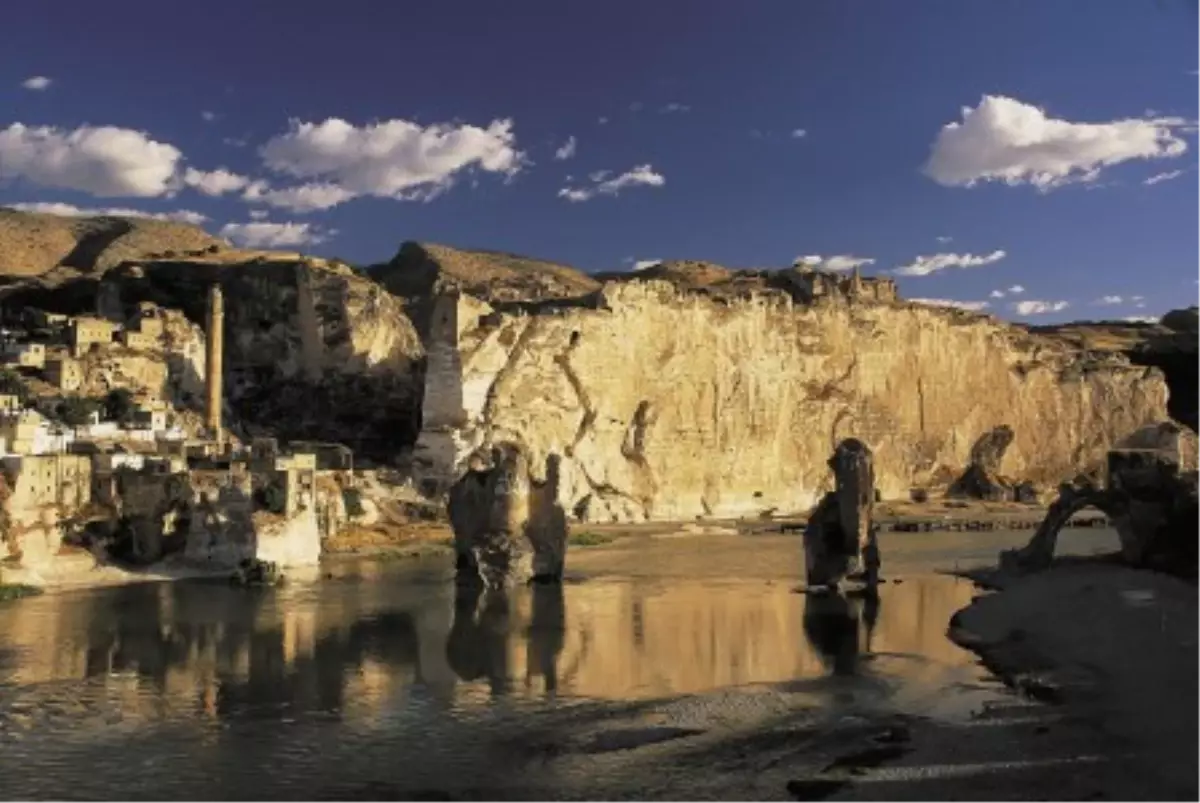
x,y
1115,651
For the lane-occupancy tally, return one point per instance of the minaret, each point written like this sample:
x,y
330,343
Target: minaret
x,y
213,365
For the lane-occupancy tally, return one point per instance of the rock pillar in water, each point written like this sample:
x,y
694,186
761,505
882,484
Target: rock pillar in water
x,y
508,527
840,539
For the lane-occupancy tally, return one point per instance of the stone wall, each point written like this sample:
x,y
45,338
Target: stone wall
x,y
672,406
39,495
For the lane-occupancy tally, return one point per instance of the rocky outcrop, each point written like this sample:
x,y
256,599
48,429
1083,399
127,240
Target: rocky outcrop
x,y
671,404
508,529
1150,497
840,537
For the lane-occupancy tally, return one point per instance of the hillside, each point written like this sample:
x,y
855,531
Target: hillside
x,y
422,269
34,244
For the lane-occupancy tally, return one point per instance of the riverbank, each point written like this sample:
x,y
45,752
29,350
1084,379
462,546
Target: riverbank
x,y
1115,650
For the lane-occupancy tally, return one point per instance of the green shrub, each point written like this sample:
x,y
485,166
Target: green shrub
x,y
75,411
271,498
119,405
589,538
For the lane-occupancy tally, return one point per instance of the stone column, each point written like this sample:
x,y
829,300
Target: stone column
x,y
214,364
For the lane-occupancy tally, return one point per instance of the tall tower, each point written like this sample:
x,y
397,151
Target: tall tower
x,y
213,364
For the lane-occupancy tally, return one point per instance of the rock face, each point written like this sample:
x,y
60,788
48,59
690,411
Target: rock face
x,y
1150,497
839,540
508,529
674,404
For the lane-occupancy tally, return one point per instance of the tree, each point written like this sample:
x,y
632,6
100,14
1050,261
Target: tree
x,y
76,411
12,384
119,406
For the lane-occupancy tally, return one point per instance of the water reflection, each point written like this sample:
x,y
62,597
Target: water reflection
x,y
832,623
348,647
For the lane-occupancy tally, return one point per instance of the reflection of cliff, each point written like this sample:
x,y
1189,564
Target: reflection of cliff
x,y
628,640
358,650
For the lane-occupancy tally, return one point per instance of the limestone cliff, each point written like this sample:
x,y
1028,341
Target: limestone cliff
x,y
669,404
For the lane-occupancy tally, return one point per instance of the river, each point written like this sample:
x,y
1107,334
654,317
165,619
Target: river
x,y
376,680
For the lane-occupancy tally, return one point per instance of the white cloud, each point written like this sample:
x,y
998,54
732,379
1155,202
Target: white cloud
x,y
1160,177
839,262
1016,290
1108,301
261,234
235,142
391,159
997,294
258,214
642,175
70,210
799,133
1003,139
104,161
567,150
1031,307
214,182
208,116
675,108
925,265
602,120
1141,319
37,83
973,306
944,239
301,198
642,264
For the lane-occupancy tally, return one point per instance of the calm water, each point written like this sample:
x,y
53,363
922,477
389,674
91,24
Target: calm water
x,y
382,676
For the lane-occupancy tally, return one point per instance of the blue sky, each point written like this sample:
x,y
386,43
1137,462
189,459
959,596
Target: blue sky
x,y
451,116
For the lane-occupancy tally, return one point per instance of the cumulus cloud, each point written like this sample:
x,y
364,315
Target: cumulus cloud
x,y
838,262
642,175
799,133
1141,319
944,239
214,182
1003,139
103,161
1016,290
70,210
37,83
1032,307
566,150
261,234
973,306
1158,178
643,264
208,116
926,265
391,159
675,108
1108,301
258,214
300,198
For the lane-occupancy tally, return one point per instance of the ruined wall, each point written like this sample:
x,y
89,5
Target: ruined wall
x,y
39,496
670,406
225,529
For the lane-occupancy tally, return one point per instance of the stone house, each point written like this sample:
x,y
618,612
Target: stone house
x,y
64,373
86,332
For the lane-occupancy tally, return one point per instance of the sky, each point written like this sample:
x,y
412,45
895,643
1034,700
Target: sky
x,y
1039,158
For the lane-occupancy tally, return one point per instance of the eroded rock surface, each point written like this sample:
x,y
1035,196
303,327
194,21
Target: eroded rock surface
x,y
1151,499
508,527
840,538
673,404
